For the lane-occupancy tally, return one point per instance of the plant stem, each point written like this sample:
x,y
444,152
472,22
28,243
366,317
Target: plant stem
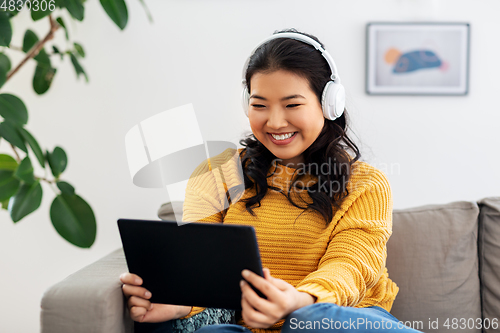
x,y
47,180
38,46
15,152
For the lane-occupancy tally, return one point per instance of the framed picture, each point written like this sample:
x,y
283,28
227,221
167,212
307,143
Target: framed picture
x,y
417,58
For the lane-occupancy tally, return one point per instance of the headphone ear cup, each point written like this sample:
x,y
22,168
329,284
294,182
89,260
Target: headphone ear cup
x,y
245,100
333,100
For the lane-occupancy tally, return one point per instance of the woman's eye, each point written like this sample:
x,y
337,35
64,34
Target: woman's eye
x,y
257,106
292,105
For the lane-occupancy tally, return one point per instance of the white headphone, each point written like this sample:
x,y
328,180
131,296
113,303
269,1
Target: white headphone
x,y
333,98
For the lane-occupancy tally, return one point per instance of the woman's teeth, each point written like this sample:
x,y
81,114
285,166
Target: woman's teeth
x,y
283,137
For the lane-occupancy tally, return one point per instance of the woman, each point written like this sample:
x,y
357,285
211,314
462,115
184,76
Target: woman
x,y
322,217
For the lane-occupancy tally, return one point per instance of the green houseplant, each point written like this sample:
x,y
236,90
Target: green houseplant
x,y
20,188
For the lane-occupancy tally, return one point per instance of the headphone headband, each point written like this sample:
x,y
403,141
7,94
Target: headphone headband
x,y
303,38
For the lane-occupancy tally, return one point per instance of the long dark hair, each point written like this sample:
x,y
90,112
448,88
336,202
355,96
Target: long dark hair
x,y
330,148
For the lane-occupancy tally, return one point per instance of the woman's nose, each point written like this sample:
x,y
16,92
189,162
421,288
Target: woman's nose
x,y
277,119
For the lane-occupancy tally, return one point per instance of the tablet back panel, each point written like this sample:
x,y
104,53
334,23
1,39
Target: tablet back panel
x,y
195,264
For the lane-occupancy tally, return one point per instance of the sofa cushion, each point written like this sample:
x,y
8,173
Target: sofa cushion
x,y
489,261
432,257
171,211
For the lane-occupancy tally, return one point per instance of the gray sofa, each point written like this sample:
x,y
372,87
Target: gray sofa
x,y
445,259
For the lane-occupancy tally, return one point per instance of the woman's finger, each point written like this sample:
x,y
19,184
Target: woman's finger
x,y
137,313
130,290
258,303
138,301
279,283
267,273
129,278
252,316
264,285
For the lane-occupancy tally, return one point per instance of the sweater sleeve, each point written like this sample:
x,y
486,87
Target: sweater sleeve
x,y
356,253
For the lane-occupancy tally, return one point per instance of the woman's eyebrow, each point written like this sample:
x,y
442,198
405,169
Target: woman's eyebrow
x,y
283,99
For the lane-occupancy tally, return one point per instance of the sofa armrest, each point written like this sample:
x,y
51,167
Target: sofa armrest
x,y
90,300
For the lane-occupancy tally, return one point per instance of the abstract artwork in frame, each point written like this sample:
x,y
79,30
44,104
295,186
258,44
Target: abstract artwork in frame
x,y
417,58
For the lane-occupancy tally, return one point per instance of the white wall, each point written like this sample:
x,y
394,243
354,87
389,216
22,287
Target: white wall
x,y
444,148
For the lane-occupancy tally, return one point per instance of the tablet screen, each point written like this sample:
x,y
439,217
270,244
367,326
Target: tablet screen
x,y
194,264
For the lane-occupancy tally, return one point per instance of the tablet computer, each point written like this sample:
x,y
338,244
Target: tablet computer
x,y
194,264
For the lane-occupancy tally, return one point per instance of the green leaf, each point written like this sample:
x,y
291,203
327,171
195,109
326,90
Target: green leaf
x,y
24,171
56,50
9,185
117,11
66,188
57,161
59,3
10,133
61,23
13,109
75,8
42,57
5,62
26,201
79,70
4,68
35,147
7,162
79,49
5,204
37,11
74,220
5,29
29,41
43,78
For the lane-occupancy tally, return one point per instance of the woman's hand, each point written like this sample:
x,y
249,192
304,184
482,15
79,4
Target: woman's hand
x,y
141,309
282,299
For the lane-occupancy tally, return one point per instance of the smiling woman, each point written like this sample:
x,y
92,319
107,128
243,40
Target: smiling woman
x,y
289,85
321,216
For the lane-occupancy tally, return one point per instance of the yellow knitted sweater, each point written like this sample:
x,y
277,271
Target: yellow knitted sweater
x,y
343,263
